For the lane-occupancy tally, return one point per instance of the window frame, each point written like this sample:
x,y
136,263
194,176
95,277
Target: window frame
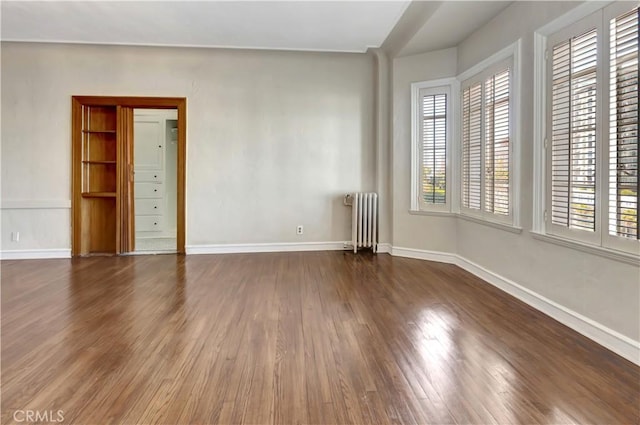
x,y
509,57
449,87
581,26
610,241
575,22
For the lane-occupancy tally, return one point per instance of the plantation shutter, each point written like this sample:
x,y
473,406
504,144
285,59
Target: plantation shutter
x,y
573,132
434,148
496,193
471,146
623,137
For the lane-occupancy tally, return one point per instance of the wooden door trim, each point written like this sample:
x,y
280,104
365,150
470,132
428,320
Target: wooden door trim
x,y
76,176
133,101
178,103
182,176
125,206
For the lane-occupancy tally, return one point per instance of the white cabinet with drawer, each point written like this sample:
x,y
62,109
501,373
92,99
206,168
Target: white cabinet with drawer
x,y
149,206
156,176
149,142
149,223
148,190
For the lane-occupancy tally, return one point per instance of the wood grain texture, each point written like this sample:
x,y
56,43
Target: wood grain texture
x,y
284,338
103,125
181,199
125,205
94,178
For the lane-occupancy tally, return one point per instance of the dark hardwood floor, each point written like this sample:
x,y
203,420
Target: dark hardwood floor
x,y
287,338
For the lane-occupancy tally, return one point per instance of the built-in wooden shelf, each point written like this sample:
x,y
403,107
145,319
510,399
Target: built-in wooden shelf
x,y
98,194
99,131
99,162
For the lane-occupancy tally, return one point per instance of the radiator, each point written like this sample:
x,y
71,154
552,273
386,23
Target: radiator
x,y
364,230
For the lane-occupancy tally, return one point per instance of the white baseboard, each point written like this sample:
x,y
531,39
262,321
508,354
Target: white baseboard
x,y
608,338
421,254
34,254
384,248
264,247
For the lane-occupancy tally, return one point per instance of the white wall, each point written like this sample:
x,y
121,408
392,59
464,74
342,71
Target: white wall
x,y
429,233
274,138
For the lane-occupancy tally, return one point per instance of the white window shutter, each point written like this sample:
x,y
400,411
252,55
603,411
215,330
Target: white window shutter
x,y
434,149
472,146
496,193
573,132
623,132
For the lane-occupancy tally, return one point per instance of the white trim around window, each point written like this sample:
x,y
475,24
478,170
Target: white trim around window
x,y
477,76
446,89
539,104
573,24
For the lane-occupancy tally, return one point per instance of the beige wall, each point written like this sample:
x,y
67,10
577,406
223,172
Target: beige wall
x,y
603,290
429,233
274,138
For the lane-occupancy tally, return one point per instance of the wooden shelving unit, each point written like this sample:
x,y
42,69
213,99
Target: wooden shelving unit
x,y
98,194
98,165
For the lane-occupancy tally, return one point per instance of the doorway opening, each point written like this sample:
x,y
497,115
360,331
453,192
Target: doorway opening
x,y
155,177
121,205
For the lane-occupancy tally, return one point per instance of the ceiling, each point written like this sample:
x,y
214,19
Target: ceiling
x,y
333,26
339,26
451,23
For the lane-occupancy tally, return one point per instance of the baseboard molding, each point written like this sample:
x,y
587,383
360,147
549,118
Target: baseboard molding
x,y
34,254
384,248
264,247
608,338
421,254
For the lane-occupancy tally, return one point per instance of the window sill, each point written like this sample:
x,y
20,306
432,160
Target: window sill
x,y
611,254
433,213
502,226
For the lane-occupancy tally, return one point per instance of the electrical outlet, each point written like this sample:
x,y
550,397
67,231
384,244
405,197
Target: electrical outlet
x,y
15,236
299,230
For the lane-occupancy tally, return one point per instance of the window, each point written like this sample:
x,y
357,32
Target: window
x,y
472,146
469,173
431,140
623,131
573,132
487,144
592,130
434,148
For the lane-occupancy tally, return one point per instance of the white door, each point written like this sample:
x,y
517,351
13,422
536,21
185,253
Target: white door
x,y
148,146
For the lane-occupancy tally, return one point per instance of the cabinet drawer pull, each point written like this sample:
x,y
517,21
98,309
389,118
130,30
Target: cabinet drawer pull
x,y
155,207
155,224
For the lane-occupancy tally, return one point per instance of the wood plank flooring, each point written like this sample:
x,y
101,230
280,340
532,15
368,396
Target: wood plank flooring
x,y
292,338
